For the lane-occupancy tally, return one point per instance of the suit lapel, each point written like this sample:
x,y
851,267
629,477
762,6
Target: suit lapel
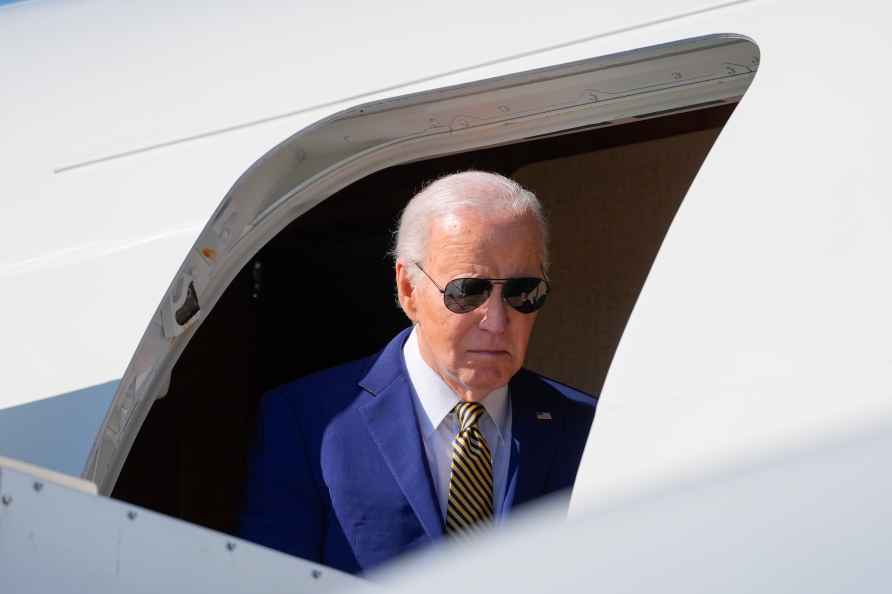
x,y
534,435
391,421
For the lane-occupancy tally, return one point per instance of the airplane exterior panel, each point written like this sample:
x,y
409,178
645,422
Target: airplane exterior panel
x,y
57,538
815,519
764,324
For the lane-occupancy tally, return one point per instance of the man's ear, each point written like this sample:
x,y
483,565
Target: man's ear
x,y
405,292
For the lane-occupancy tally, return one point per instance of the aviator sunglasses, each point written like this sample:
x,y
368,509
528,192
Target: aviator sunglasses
x,y
461,295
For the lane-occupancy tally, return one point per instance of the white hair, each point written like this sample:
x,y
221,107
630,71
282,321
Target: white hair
x,y
478,190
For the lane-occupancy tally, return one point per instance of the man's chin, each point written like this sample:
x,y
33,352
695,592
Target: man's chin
x,y
482,382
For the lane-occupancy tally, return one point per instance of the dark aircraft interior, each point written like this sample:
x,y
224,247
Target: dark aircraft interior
x,y
322,292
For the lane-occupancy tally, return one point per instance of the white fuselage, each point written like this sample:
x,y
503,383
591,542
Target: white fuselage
x,y
762,329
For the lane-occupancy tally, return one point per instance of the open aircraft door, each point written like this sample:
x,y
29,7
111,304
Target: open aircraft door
x,y
613,142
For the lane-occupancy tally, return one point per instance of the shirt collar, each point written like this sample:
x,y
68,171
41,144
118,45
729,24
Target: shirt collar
x,y
436,397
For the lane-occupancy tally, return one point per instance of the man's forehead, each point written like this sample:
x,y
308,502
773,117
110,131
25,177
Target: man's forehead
x,y
455,237
462,220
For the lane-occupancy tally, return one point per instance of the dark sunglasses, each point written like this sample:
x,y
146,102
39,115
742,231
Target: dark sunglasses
x,y
461,295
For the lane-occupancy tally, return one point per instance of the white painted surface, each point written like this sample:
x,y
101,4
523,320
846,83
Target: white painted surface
x,y
57,539
41,475
815,520
765,321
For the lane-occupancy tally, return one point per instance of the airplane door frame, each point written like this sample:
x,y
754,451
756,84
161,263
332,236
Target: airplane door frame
x,y
326,157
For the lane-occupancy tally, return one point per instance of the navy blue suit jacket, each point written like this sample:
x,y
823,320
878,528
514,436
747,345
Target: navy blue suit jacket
x,y
339,474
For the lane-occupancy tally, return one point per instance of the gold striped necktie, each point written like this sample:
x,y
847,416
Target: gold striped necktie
x,y
470,481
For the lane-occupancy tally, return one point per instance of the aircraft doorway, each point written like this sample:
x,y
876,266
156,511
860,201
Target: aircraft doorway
x,y
321,293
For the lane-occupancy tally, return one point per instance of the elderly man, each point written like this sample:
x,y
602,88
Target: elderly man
x,y
443,432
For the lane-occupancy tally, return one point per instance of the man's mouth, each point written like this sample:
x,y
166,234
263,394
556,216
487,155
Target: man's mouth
x,y
489,353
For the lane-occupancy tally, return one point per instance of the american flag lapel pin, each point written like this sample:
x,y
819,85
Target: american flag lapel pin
x,y
543,416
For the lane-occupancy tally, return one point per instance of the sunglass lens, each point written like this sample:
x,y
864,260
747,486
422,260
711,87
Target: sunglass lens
x,y
526,295
462,295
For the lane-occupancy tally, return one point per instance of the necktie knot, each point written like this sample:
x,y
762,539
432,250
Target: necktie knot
x,y
468,414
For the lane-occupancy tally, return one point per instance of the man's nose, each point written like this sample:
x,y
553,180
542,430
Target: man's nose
x,y
495,312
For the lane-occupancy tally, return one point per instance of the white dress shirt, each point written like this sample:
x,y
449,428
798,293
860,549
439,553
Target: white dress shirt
x,y
434,401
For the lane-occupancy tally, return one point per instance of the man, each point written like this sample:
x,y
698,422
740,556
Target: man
x,y
442,432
